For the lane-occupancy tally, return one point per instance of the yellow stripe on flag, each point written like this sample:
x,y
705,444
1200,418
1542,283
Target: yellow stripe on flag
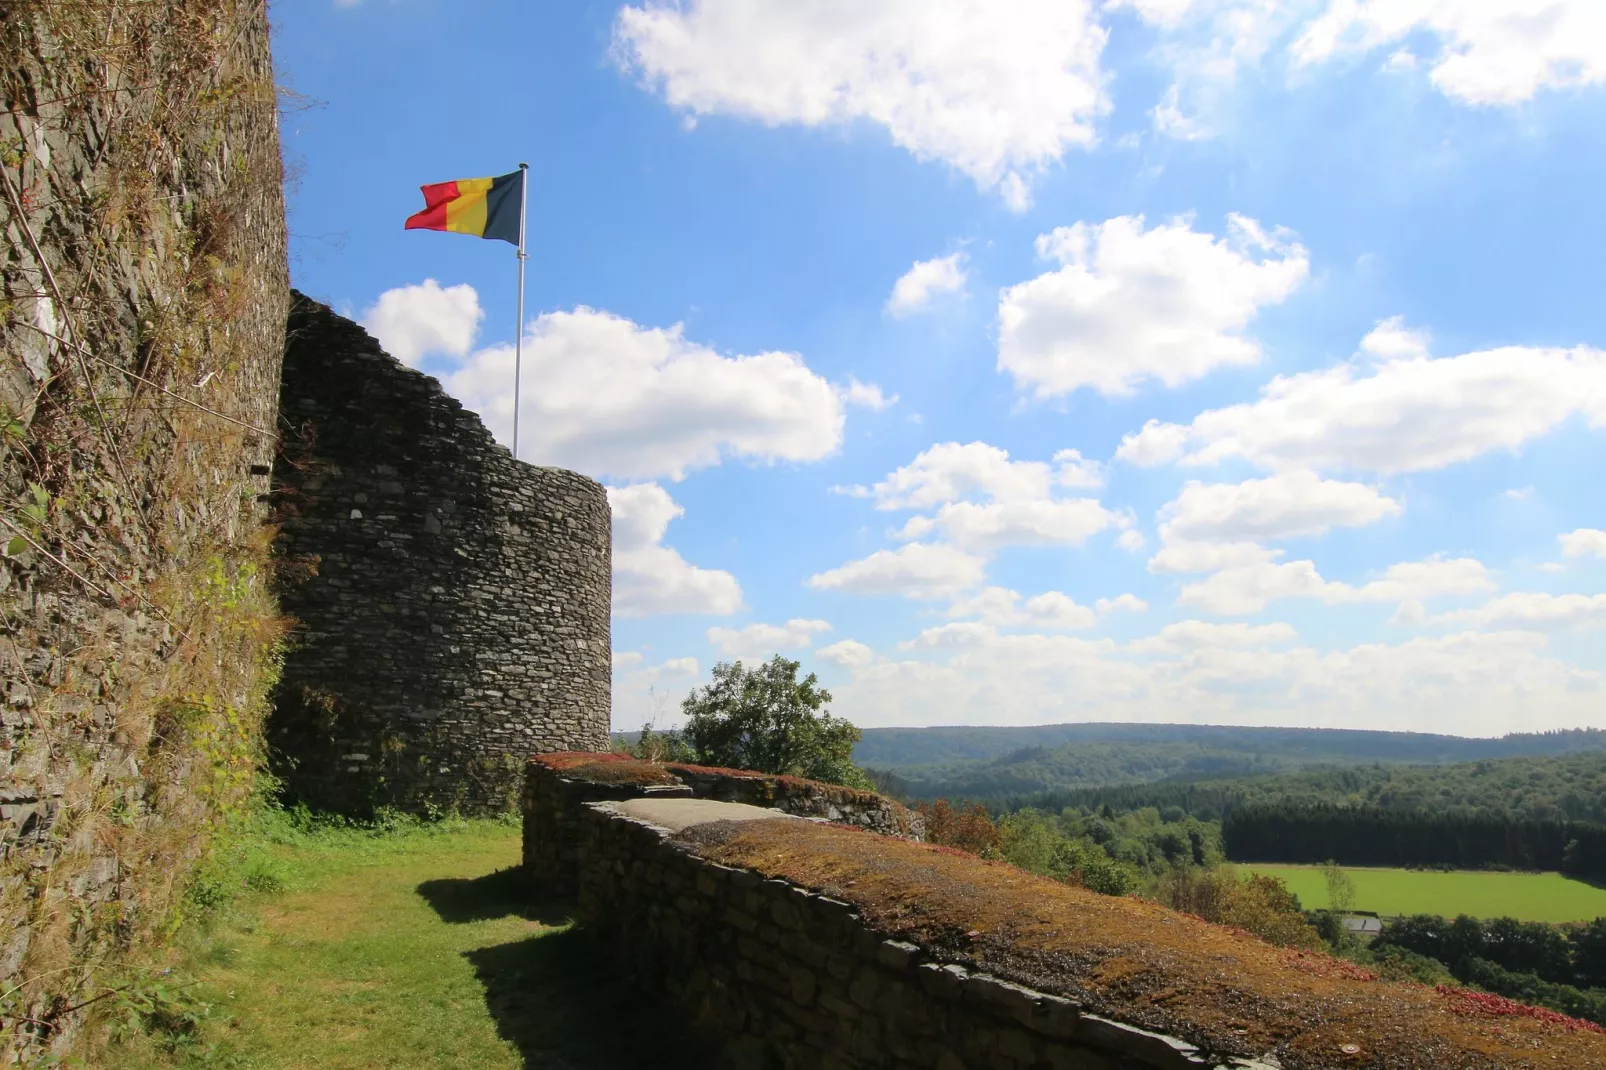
x,y
466,214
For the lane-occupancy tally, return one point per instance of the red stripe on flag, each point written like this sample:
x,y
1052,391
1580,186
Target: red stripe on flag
x,y
436,197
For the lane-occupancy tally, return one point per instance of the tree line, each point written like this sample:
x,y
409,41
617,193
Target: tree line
x,y
1374,836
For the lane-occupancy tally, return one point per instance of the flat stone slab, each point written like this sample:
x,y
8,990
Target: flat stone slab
x,y
676,814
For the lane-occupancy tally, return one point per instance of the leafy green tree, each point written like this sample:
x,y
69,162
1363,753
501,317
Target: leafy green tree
x,y
768,720
1340,888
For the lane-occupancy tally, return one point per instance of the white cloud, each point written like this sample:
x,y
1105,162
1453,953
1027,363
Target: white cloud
x,y
1518,494
1533,610
866,396
1584,542
950,472
1245,589
760,642
991,525
1209,556
605,396
412,322
927,278
1198,635
927,571
1121,603
626,659
1283,506
1410,414
983,500
1129,305
649,577
849,653
997,90
1393,340
1131,540
1482,683
1001,607
1071,469
1492,51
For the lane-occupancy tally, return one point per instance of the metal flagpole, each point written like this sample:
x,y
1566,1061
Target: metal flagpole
x,y
518,336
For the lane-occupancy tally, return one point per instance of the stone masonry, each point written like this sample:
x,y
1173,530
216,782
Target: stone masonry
x,y
778,977
452,603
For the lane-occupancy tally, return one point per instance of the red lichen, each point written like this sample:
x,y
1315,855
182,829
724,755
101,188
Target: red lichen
x,y
1487,1005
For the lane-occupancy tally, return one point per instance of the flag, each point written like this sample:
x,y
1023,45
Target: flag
x,y
483,207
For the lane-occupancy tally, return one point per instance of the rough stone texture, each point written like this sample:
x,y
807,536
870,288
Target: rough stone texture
x,y
781,978
557,785
457,620
143,290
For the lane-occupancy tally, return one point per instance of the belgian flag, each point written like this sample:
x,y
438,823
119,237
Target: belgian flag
x,y
483,207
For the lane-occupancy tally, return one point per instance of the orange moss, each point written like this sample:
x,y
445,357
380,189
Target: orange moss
x,y
1141,962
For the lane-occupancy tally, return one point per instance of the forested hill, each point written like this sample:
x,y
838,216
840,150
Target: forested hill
x,y
1568,787
1006,764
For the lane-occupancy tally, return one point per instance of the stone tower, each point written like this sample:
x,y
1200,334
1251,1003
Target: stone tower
x,y
451,603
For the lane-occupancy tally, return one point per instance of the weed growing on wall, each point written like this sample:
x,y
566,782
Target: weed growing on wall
x,y
141,314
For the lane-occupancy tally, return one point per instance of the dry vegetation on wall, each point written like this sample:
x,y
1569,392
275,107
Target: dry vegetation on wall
x,y
141,318
1140,962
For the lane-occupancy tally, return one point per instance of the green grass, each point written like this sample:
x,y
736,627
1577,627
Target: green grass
x,y
417,948
1526,896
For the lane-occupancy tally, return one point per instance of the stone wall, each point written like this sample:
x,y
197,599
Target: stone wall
x,y
452,603
556,786
780,978
143,291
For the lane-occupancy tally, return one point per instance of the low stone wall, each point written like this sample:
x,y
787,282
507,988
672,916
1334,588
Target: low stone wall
x,y
780,977
556,786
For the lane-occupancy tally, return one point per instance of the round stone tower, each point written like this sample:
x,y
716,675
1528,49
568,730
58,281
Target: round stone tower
x,y
451,604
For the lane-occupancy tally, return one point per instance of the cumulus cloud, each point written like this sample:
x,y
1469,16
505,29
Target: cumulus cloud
x,y
849,653
1585,542
1491,52
998,91
1245,589
651,578
1482,683
1407,414
950,472
1001,607
1129,305
1533,610
866,396
1282,506
606,396
413,322
612,398
920,570
926,279
983,500
760,642
1179,556
1121,603
1200,635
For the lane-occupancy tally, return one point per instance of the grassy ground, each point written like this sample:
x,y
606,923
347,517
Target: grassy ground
x,y
1526,896
416,948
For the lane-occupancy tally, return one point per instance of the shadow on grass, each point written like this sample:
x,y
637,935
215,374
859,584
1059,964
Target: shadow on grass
x,y
554,998
505,893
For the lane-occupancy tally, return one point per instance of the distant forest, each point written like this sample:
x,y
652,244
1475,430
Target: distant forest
x,y
963,763
1567,787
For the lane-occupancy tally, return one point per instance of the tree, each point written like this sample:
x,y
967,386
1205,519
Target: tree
x,y
767,720
1340,888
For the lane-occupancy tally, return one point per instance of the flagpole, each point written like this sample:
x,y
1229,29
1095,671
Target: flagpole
x,y
518,335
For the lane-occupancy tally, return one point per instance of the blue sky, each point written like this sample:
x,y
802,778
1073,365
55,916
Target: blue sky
x,y
1230,361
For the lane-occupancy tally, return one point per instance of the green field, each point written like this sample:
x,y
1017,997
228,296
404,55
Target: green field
x,y
1526,896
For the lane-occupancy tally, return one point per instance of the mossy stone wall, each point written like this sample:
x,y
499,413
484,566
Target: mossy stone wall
x,y
143,290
